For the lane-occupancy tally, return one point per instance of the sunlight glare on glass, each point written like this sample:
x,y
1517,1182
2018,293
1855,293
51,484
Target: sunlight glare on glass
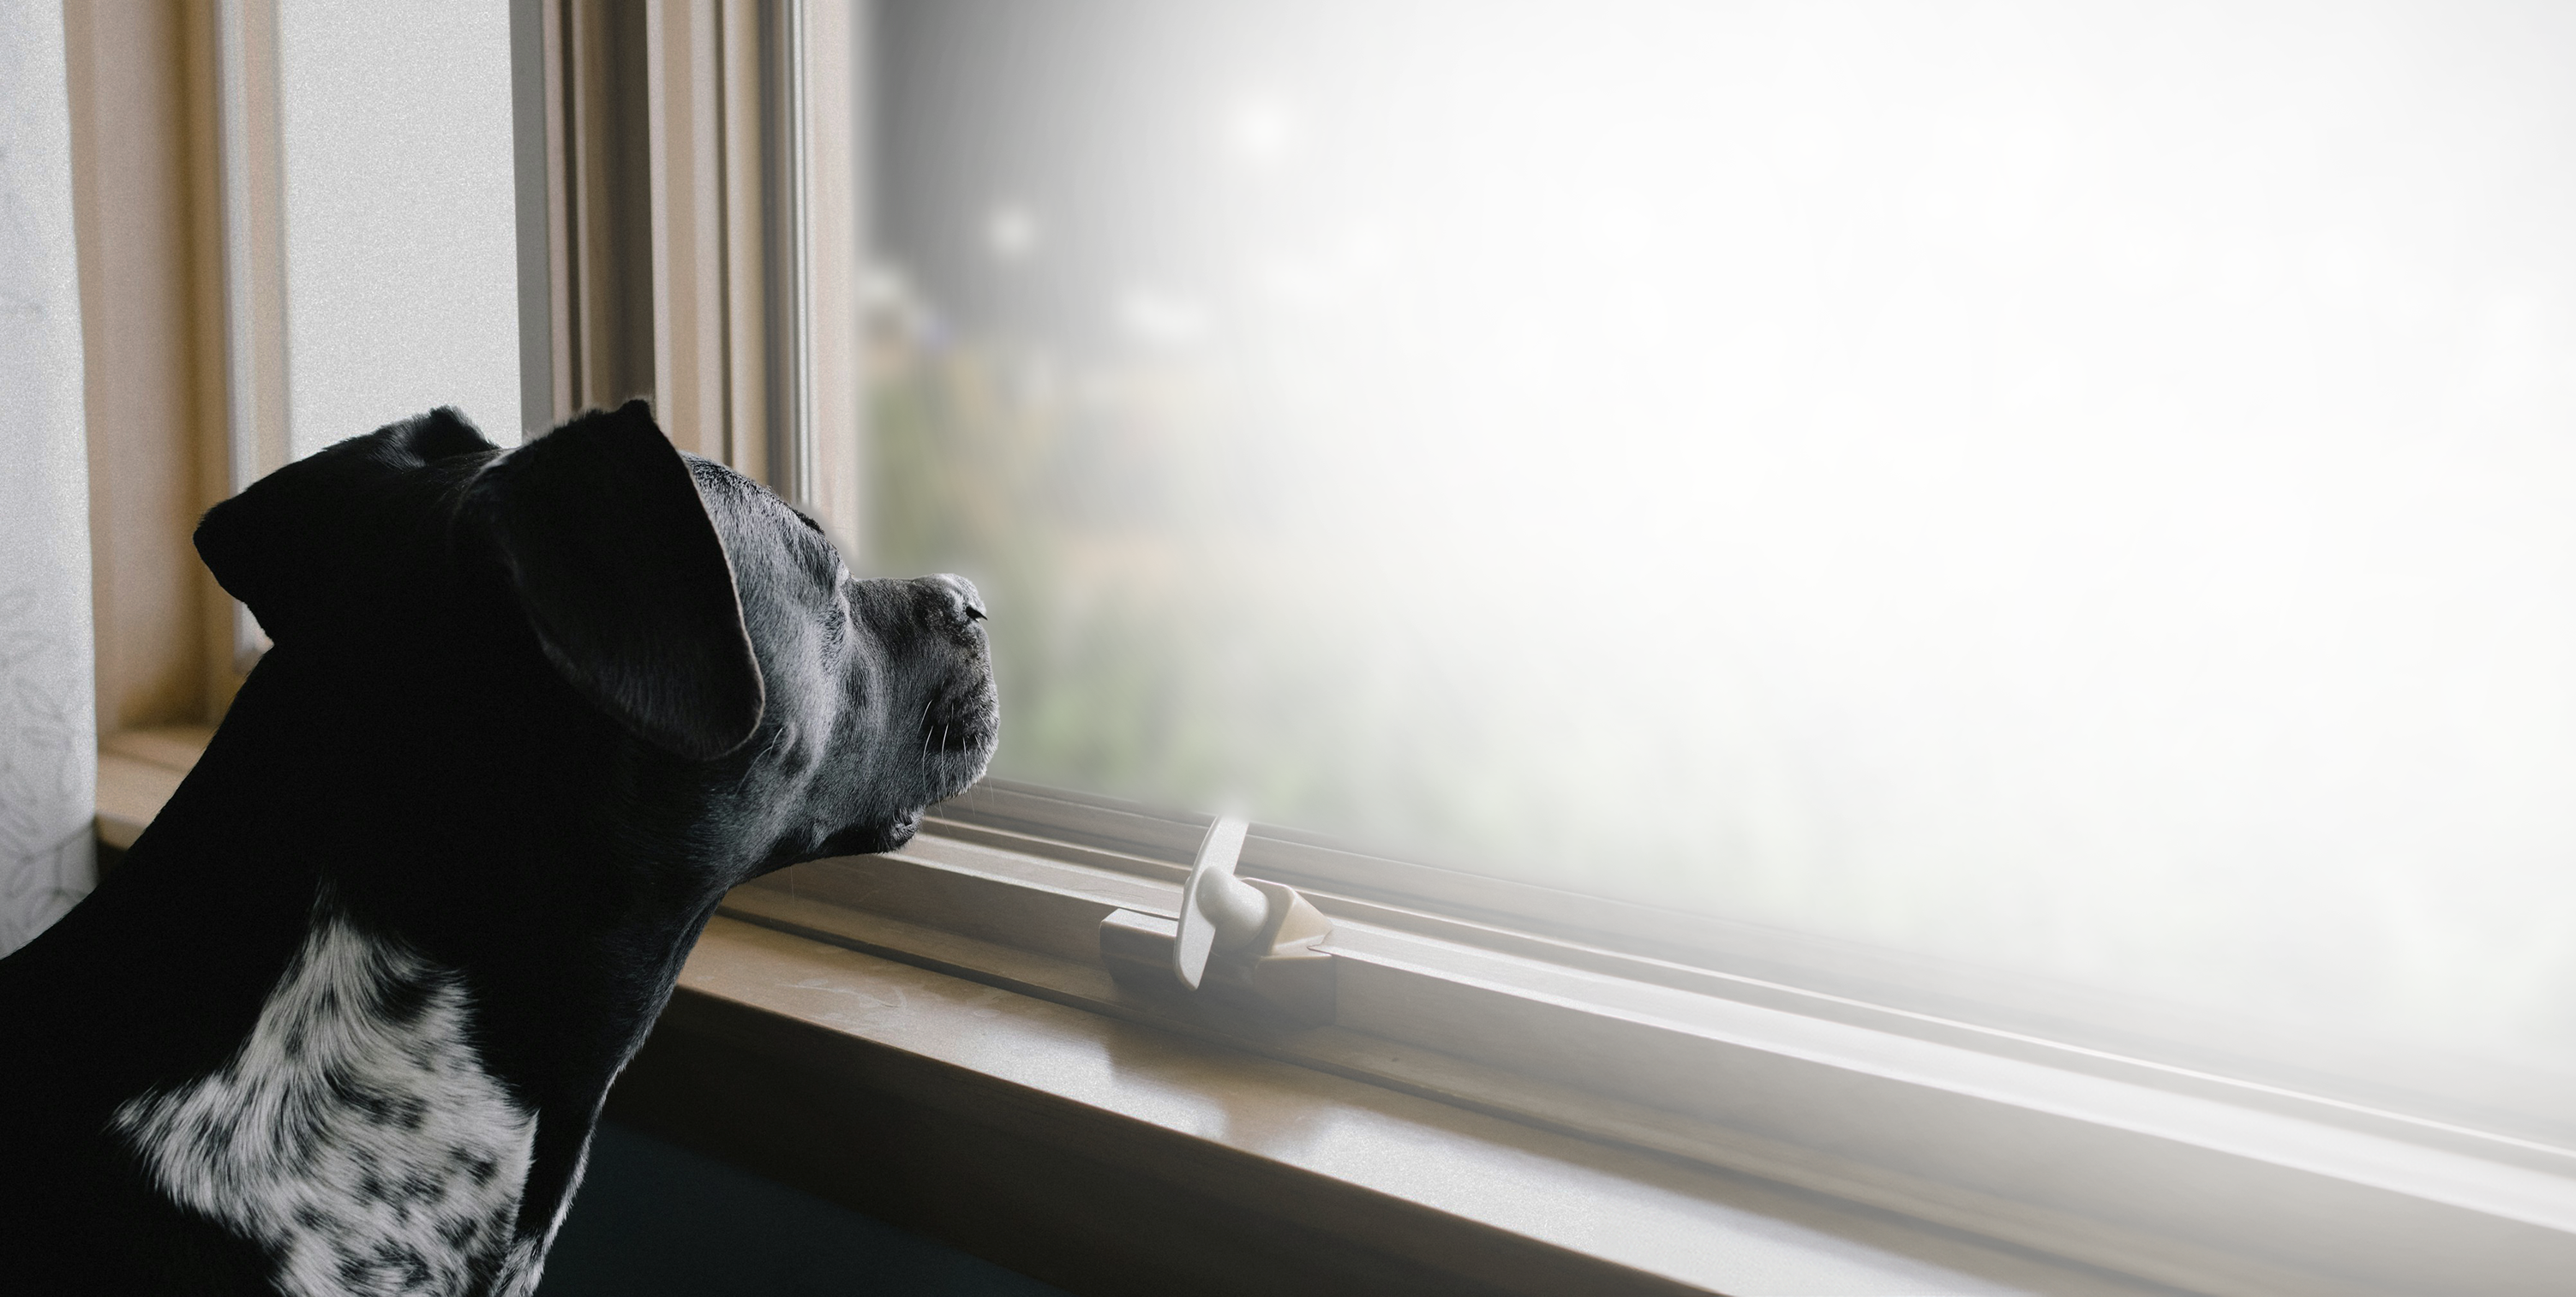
x,y
2130,477
1010,232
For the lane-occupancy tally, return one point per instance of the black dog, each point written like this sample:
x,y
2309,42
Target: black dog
x,y
343,1019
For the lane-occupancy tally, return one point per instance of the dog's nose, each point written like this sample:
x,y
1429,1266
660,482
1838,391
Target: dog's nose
x,y
963,600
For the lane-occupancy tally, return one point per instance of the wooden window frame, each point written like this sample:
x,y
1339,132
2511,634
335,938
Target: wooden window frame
x,y
689,231
2116,1163
148,200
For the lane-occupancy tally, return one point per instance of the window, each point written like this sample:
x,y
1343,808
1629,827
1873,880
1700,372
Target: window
x,y
2072,494
1957,609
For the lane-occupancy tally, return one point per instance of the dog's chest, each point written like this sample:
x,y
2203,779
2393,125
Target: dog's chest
x,y
355,1134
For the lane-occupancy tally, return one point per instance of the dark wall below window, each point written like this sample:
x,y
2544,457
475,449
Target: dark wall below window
x,y
653,1218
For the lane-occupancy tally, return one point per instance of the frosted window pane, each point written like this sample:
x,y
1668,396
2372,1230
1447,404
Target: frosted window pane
x,y
2089,490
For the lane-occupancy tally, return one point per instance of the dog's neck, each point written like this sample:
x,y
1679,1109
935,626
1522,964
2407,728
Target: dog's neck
x,y
562,935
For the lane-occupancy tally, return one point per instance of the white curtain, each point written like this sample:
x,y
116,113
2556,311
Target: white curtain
x,y
48,738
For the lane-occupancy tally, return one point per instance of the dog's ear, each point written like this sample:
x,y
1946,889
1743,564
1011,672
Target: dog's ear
x,y
612,555
305,546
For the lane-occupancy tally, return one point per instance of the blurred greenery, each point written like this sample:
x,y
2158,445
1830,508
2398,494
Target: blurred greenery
x,y
1163,629
1061,505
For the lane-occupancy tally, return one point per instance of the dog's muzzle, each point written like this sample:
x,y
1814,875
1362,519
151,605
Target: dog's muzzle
x,y
962,723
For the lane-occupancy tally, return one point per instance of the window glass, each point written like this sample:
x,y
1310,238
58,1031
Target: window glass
x,y
2089,490
401,249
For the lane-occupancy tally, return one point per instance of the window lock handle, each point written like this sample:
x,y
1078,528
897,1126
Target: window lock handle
x,y
1234,936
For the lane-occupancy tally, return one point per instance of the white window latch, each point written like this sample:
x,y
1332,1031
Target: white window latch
x,y
1235,938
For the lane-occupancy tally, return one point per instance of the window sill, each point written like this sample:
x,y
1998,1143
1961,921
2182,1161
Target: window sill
x,y
137,772
1109,1155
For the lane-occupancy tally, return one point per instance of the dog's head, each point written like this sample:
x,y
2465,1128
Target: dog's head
x,y
710,633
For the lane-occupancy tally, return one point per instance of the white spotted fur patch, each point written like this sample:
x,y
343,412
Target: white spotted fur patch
x,y
355,1134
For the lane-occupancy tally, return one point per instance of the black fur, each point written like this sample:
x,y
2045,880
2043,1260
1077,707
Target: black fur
x,y
528,715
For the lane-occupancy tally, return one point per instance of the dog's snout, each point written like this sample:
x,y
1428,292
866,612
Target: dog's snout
x,y
959,596
961,721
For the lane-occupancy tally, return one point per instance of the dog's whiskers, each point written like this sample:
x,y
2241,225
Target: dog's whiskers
x,y
765,749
